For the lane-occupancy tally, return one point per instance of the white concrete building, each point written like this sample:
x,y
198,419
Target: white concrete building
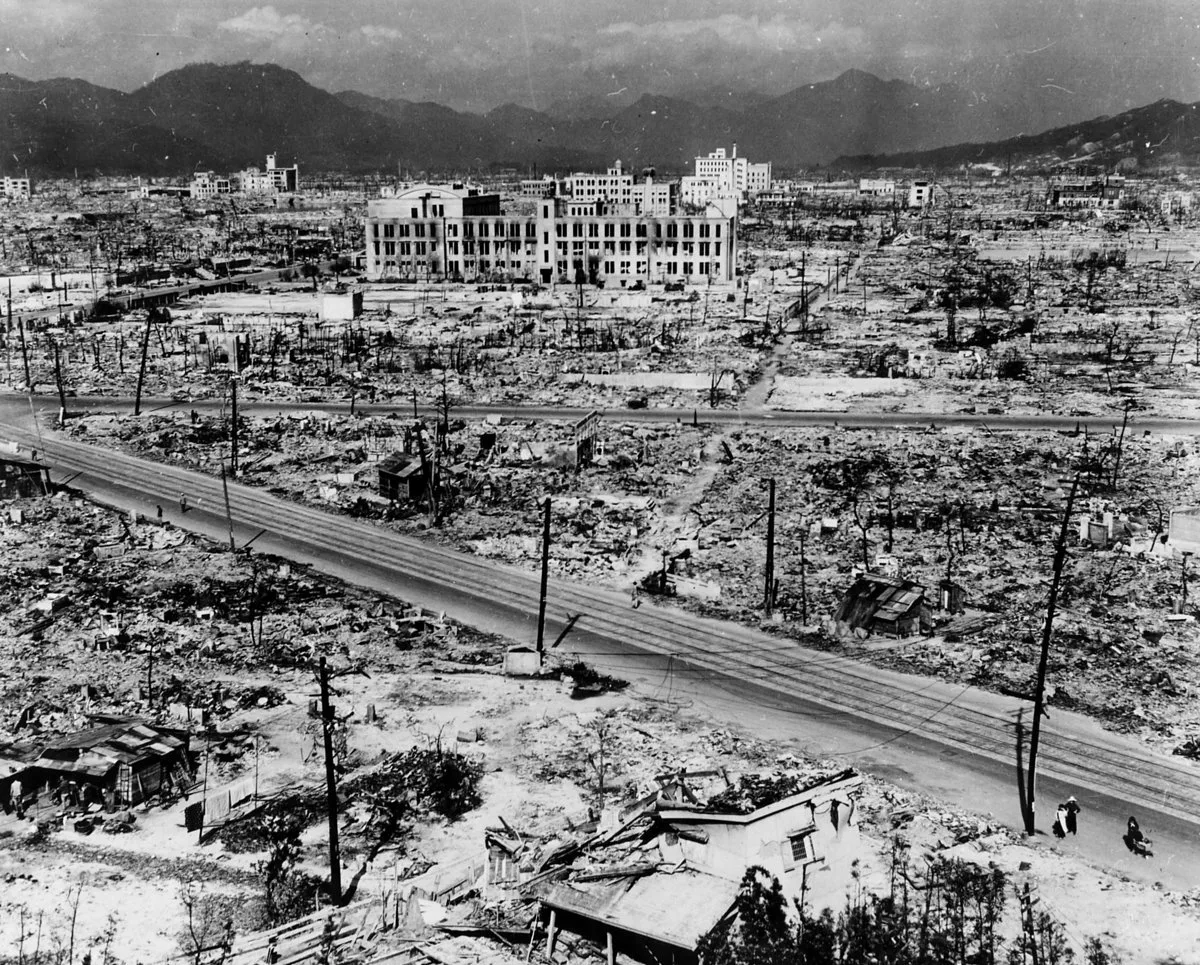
x,y
16,188
207,185
876,187
732,175
455,232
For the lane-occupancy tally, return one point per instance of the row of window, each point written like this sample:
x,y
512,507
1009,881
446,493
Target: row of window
x,y
611,267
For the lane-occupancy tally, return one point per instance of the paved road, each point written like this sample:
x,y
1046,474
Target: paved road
x,y
759,417
949,739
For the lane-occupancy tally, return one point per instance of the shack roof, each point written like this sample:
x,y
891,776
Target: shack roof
x,y
673,908
877,597
97,750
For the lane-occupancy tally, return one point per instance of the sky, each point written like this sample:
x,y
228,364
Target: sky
x,y
1101,55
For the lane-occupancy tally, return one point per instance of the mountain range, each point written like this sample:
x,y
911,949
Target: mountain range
x,y
226,117
1158,134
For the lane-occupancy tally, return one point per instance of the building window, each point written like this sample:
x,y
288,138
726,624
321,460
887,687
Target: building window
x,y
801,847
576,230
610,231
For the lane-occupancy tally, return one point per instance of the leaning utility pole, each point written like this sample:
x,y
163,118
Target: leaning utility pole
x,y
137,401
541,629
769,589
1039,697
335,860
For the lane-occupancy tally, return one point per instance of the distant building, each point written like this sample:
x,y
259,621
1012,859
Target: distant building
x,y
455,232
16,188
207,185
876,188
1073,191
620,192
734,174
920,194
1176,203
274,180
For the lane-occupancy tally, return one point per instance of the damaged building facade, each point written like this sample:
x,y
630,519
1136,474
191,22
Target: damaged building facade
x,y
688,871
454,232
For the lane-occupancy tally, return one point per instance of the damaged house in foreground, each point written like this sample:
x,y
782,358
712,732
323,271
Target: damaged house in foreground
x,y
653,886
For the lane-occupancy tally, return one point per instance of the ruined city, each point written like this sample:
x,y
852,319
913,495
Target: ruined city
x,y
707,555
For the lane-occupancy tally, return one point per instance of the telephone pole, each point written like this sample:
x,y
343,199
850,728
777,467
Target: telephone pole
x,y
233,428
137,401
335,860
769,589
1039,697
541,629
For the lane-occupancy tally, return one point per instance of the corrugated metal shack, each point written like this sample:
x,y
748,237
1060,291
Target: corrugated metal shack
x,y
886,604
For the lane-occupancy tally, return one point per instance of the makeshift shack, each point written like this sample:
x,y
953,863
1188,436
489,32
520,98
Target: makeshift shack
x,y
401,478
122,762
20,479
885,604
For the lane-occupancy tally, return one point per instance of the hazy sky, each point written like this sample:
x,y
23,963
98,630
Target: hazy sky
x,y
479,54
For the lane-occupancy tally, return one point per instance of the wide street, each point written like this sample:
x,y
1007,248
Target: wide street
x,y
956,743
16,403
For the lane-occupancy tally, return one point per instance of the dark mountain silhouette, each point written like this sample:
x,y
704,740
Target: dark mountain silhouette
x,y
230,116
1160,133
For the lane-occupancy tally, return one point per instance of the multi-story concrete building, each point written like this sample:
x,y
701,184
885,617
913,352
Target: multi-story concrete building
x,y
207,185
920,193
620,192
1074,191
876,187
16,187
454,232
274,180
724,176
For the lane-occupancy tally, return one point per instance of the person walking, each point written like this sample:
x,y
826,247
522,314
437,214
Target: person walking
x,y
1072,808
183,502
636,597
1134,840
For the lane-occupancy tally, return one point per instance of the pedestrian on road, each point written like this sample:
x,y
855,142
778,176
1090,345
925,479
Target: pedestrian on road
x,y
1134,840
159,508
1072,808
183,502
636,597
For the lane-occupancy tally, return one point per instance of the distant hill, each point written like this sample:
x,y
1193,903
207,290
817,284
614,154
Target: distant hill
x,y
226,117
1161,133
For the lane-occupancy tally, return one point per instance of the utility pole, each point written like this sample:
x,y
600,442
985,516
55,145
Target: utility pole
x,y
137,402
803,576
62,396
541,629
769,589
228,513
233,429
24,351
1039,697
335,861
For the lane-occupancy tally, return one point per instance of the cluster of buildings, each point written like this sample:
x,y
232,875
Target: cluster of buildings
x,y
273,180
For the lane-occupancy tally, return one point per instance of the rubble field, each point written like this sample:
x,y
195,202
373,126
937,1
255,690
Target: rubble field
x,y
543,763
979,508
